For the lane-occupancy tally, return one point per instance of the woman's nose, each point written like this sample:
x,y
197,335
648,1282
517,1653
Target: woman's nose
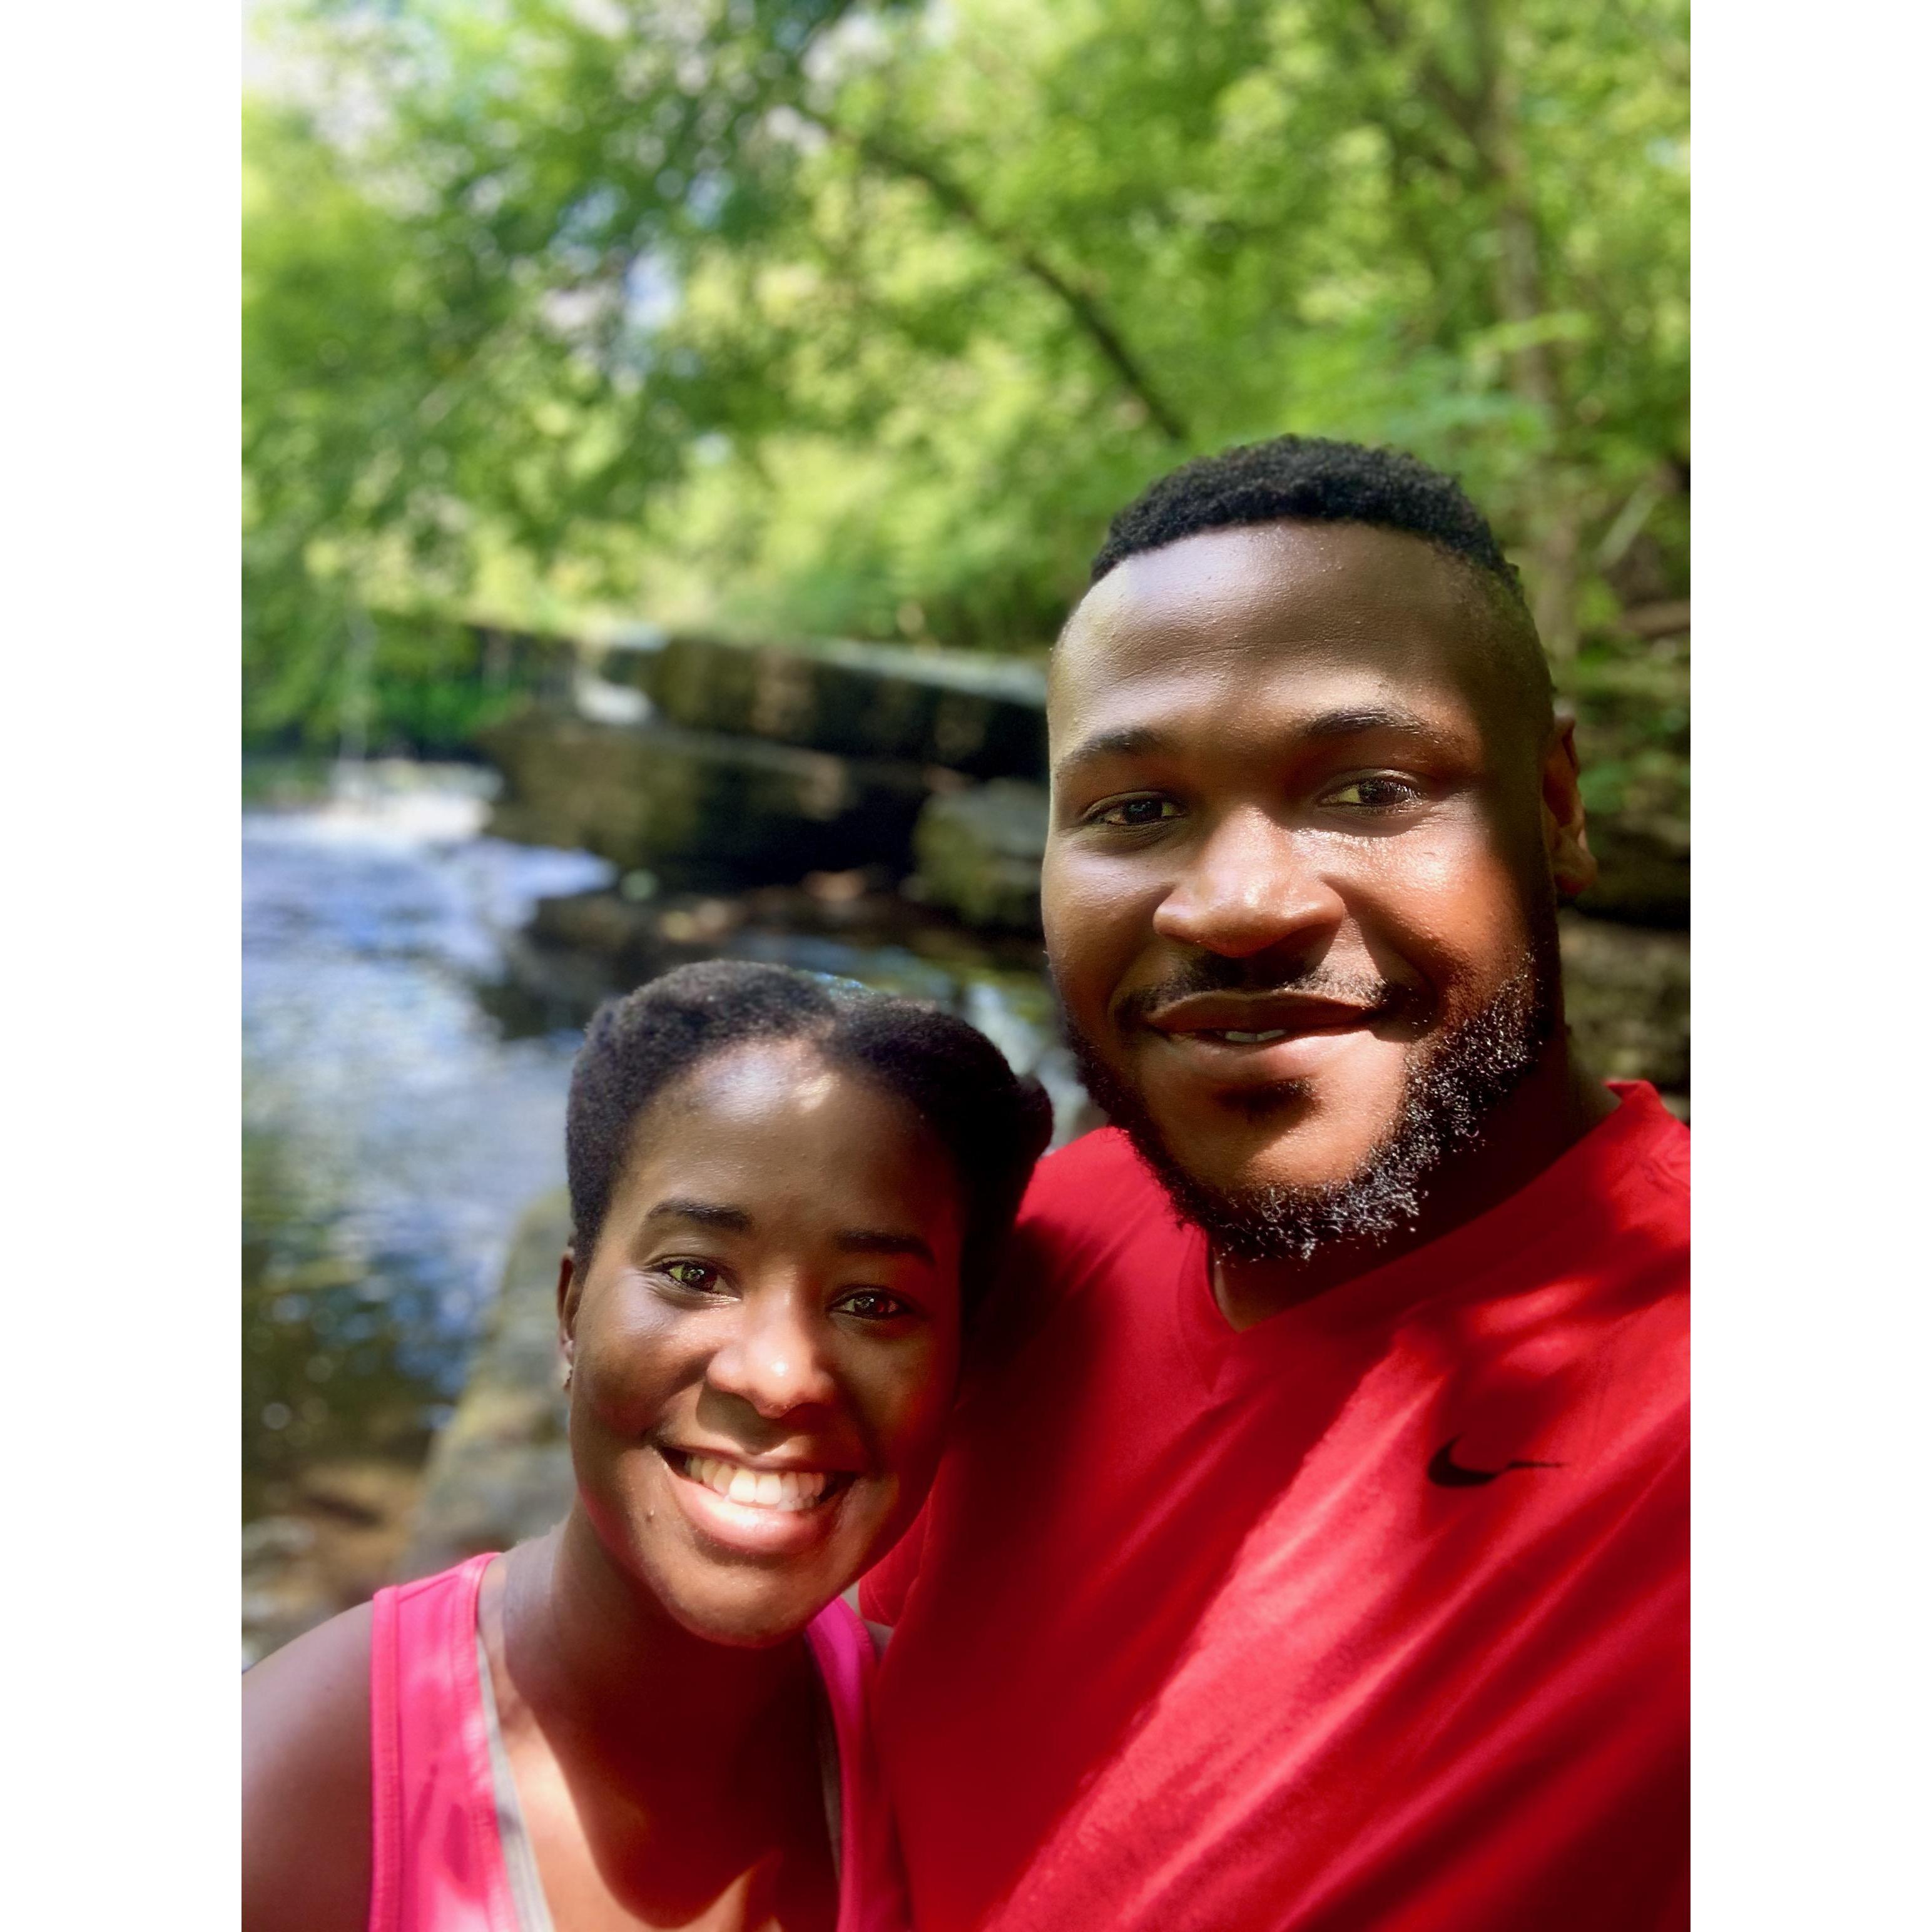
x,y
774,1359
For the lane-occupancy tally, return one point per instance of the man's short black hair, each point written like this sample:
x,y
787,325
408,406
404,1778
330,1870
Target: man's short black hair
x,y
993,1125
1311,479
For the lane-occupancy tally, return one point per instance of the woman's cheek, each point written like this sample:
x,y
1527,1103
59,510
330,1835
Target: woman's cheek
x,y
913,1398
627,1362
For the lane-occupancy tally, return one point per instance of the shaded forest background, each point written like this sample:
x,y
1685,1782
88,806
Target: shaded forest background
x,y
798,316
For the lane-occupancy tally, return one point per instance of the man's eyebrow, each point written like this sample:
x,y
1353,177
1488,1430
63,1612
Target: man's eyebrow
x,y
1355,718
1130,741
706,1213
1349,721
877,1241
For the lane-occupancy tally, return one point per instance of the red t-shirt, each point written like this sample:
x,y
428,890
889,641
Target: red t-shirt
x,y
1203,1630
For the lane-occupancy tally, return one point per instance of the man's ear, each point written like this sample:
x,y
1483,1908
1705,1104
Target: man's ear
x,y
1565,841
569,1293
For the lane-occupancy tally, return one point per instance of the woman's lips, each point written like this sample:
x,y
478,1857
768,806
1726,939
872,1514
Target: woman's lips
x,y
789,1489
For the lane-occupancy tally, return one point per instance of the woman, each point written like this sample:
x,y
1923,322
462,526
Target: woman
x,y
654,1716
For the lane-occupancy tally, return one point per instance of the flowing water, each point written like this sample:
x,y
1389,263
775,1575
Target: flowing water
x,y
395,1122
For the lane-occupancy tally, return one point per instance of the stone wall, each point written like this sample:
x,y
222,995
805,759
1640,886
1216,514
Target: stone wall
x,y
982,715
698,808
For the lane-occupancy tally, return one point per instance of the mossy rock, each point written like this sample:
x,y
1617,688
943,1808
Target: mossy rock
x,y
980,853
695,808
981,714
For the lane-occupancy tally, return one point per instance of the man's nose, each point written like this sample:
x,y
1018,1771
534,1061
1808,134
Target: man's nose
x,y
1249,886
774,1358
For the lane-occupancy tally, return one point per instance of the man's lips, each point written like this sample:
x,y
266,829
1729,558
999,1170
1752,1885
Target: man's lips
x,y
1258,1019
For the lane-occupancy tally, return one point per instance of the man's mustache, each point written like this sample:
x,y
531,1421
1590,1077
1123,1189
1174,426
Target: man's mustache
x,y
1214,972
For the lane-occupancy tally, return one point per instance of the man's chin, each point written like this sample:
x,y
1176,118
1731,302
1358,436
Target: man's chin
x,y
1273,1210
1306,1154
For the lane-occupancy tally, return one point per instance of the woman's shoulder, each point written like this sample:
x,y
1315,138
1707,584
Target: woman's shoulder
x,y
305,1782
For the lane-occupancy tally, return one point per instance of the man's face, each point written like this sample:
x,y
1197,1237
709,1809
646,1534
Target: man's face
x,y
1306,840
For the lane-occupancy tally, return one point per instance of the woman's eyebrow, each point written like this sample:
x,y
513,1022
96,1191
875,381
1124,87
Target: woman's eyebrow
x,y
877,1241
706,1213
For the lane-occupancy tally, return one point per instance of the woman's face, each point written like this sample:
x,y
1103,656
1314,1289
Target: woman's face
x,y
764,1344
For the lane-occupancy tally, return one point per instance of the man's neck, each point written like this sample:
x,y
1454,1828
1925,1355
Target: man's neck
x,y
1553,1110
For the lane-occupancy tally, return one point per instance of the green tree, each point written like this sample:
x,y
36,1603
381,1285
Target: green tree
x,y
864,318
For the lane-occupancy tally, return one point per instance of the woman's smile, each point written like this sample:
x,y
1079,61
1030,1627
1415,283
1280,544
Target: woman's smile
x,y
752,1510
768,1485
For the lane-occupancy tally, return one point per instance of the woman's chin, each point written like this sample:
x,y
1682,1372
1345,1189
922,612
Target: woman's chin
x,y
739,1618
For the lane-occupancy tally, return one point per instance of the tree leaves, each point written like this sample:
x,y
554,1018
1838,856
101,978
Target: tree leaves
x,y
802,313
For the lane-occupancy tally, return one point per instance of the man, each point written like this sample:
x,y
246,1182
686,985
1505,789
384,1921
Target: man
x,y
1311,1551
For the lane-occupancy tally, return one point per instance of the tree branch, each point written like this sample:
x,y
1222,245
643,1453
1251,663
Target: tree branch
x,y
1464,109
1079,303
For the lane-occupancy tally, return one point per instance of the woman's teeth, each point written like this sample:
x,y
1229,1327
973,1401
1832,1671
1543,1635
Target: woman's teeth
x,y
767,1489
1234,1039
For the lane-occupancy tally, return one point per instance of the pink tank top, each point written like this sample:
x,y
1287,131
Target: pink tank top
x,y
439,1863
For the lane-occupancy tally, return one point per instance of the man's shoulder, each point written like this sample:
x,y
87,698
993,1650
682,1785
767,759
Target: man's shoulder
x,y
1091,1180
1094,1205
1645,1181
1094,1221
1654,1137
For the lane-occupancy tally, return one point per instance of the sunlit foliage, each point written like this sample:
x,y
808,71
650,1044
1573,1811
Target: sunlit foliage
x,y
797,314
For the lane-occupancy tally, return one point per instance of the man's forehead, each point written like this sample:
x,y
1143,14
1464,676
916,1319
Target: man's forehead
x,y
1247,603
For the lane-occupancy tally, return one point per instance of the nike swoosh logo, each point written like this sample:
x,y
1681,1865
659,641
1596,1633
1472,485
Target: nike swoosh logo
x,y
1448,1473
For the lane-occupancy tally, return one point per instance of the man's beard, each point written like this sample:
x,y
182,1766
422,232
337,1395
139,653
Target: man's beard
x,y
1449,1094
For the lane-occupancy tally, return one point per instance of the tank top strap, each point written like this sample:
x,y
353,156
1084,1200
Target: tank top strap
x,y
871,1886
437,1860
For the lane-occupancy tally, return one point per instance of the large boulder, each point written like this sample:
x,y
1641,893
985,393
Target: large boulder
x,y
499,1468
979,714
979,851
694,807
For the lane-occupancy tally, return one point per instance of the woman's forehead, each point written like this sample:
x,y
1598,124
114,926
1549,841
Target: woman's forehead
x,y
749,1080
775,1117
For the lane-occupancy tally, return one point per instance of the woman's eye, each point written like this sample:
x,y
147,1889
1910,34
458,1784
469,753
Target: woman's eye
x,y
1133,812
873,1304
691,1274
1378,794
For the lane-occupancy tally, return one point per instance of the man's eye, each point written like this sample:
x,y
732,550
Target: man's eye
x,y
1378,794
873,1304
1136,811
692,1274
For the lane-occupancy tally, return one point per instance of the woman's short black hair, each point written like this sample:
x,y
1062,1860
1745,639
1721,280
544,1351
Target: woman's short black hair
x,y
994,1125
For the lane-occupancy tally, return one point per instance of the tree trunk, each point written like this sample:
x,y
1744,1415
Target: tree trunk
x,y
1521,301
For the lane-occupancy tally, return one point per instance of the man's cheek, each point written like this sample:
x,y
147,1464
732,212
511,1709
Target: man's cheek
x,y
1092,940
